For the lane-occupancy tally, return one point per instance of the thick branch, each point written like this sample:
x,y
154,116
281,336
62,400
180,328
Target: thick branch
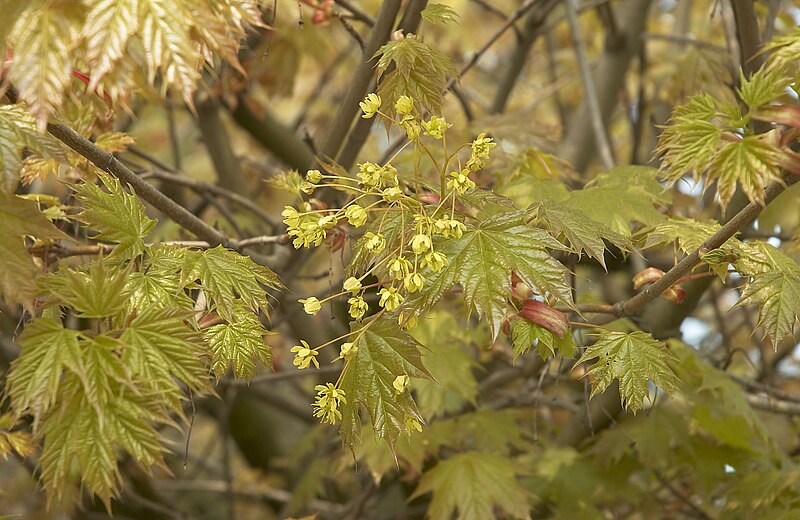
x,y
348,108
530,31
218,144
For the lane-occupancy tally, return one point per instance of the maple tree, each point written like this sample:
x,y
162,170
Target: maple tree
x,y
576,299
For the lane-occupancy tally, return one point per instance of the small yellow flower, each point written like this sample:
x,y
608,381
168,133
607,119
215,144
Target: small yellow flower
x,y
370,105
482,145
304,356
390,299
347,350
414,282
374,242
307,188
311,305
412,424
327,403
358,307
420,243
356,215
392,194
314,176
404,105
327,222
460,182
401,384
399,267
436,261
436,127
412,129
352,285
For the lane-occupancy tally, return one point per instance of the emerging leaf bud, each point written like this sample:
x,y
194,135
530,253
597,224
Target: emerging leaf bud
x,y
674,294
521,291
542,314
646,276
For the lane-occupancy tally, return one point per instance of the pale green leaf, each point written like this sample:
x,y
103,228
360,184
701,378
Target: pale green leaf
x,y
784,52
238,343
439,14
164,27
421,73
227,278
42,40
778,296
763,86
118,216
98,290
21,218
582,233
46,350
384,352
634,359
526,334
18,132
689,143
161,344
474,484
621,196
752,162
482,261
110,24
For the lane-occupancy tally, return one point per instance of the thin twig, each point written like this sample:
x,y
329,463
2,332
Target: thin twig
x,y
590,91
283,375
357,13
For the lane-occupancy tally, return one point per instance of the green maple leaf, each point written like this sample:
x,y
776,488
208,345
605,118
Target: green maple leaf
x,y
774,285
384,352
584,234
239,342
118,216
97,291
18,442
621,196
524,333
89,438
752,162
161,344
763,86
634,359
482,261
227,278
18,132
21,218
439,14
448,363
474,483
778,296
420,72
46,350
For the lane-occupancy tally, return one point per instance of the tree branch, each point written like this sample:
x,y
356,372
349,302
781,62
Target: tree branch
x,y
348,107
590,91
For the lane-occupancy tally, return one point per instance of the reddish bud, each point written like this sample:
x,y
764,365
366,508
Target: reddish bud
x,y
649,275
505,328
542,314
674,294
788,115
514,279
429,197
